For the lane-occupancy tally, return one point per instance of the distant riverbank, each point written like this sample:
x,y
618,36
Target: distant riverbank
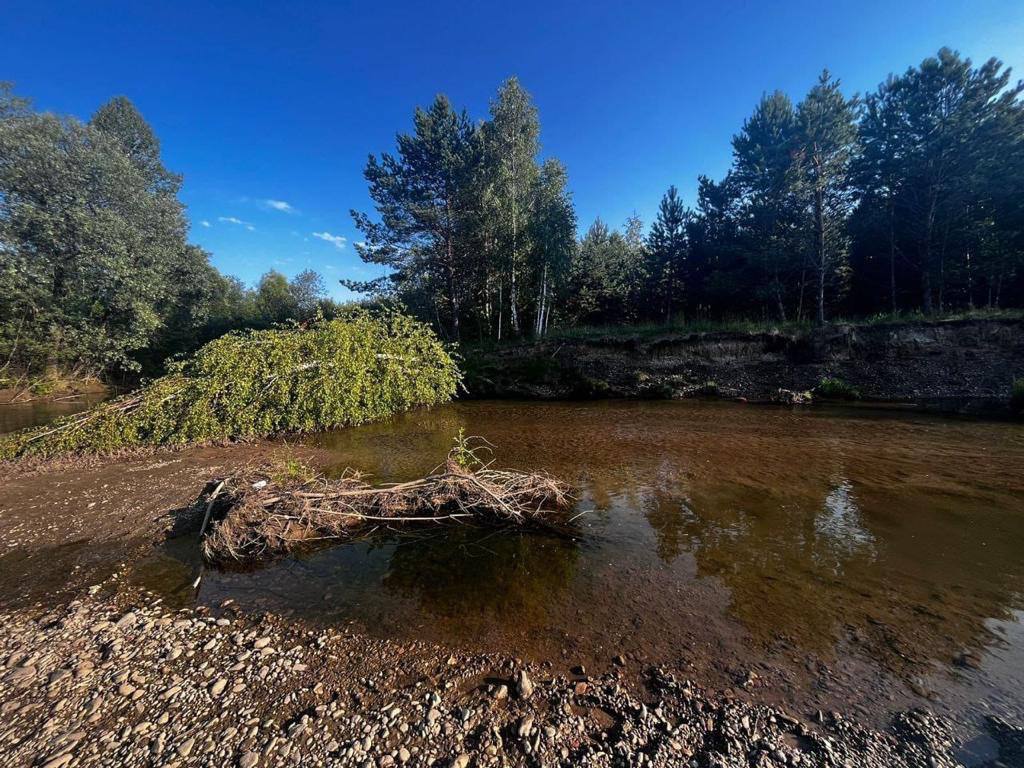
x,y
966,366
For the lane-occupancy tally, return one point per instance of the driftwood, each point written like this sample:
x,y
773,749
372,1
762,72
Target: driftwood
x,y
258,515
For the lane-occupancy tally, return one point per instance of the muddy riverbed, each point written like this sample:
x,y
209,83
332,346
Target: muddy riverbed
x,y
812,561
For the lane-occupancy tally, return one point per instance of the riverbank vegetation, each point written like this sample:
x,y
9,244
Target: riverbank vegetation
x,y
258,383
906,199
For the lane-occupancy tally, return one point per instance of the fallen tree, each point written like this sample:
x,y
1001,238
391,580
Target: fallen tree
x,y
260,383
263,514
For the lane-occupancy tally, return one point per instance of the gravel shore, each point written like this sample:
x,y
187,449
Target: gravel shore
x,y
114,678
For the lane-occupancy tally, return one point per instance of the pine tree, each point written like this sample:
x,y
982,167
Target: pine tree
x,y
425,197
766,167
667,251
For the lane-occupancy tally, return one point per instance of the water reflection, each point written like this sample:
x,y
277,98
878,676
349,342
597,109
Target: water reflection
x,y
839,525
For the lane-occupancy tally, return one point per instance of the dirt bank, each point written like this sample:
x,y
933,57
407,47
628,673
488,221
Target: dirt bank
x,y
966,365
94,670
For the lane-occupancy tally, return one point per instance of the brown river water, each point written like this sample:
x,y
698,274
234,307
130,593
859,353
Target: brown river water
x,y
850,559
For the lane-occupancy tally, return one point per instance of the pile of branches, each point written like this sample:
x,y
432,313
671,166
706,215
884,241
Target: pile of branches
x,y
257,516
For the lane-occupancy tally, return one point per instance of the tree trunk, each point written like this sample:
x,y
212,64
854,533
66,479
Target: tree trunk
x,y
501,306
892,256
822,265
926,259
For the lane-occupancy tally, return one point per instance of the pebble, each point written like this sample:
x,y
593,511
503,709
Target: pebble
x,y
524,685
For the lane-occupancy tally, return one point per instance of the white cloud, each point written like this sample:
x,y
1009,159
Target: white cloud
x,y
205,223
336,240
279,205
236,220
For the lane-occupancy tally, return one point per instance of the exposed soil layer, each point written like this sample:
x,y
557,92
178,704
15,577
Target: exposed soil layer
x,y
966,365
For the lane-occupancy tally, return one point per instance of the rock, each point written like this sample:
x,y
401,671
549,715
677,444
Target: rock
x,y
185,748
619,661
21,676
501,693
261,643
524,685
404,755
248,760
525,726
218,687
462,761
126,689
58,761
127,621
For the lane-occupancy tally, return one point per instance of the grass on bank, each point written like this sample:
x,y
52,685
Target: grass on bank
x,y
836,389
646,330
259,383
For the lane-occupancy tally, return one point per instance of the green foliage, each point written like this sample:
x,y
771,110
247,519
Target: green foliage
x,y
465,451
90,228
477,232
667,250
259,383
606,276
290,470
96,275
836,389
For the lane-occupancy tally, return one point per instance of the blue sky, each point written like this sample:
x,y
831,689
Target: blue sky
x,y
270,109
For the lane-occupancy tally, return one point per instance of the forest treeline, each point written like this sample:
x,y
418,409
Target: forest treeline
x,y
909,198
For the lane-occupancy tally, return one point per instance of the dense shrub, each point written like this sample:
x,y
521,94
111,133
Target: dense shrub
x,y
333,373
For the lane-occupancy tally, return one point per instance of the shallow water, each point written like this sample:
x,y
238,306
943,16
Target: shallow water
x,y
848,558
15,416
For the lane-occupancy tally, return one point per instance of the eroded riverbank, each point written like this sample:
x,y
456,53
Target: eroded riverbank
x,y
829,561
962,366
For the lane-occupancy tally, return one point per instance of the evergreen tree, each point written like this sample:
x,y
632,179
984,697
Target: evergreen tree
x,y
667,252
425,198
766,169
